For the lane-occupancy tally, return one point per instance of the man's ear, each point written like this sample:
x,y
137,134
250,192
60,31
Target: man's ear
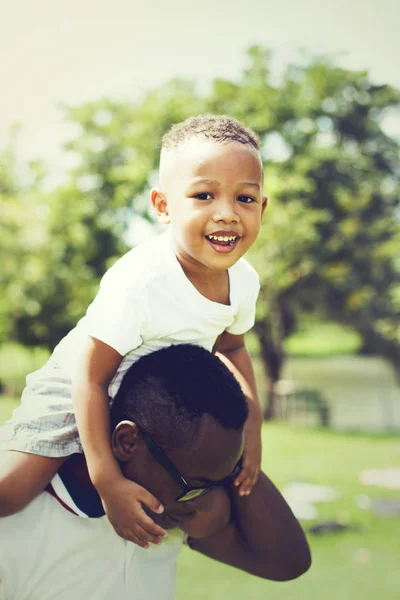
x,y
124,440
264,204
160,205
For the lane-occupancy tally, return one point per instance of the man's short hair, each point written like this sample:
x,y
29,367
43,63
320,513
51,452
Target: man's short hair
x,y
216,128
167,392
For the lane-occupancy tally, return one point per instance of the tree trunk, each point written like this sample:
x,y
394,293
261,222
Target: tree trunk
x,y
375,344
270,334
272,361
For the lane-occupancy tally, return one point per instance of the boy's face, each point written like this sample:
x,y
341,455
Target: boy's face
x,y
211,194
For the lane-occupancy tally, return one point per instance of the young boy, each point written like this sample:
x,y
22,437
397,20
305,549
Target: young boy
x,y
187,285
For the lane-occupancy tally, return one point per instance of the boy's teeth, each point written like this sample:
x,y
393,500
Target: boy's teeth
x,y
221,238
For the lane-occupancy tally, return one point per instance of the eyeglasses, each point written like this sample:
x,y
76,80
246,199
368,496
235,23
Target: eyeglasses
x,y
188,492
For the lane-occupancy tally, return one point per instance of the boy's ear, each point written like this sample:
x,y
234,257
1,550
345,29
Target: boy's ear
x,y
264,204
160,206
124,440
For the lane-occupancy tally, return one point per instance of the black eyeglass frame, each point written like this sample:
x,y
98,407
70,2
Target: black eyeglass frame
x,y
160,456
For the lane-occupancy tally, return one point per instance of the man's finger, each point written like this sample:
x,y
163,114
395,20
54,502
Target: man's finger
x,y
255,477
246,483
241,477
245,487
249,483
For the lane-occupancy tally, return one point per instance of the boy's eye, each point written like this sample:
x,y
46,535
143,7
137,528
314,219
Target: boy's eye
x,y
246,199
203,196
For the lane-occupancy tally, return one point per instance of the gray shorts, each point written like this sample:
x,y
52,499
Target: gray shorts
x,y
44,423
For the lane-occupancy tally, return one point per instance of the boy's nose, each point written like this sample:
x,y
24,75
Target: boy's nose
x,y
225,211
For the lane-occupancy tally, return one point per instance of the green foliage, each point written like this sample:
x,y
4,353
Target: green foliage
x,y
81,228
24,243
331,242
352,168
16,362
118,148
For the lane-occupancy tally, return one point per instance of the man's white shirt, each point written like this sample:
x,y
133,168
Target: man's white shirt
x,y
52,550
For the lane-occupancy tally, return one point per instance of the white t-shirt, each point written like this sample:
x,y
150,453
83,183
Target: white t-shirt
x,y
146,302
49,551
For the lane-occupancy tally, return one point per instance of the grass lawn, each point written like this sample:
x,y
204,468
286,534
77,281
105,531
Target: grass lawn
x,y
357,564
322,339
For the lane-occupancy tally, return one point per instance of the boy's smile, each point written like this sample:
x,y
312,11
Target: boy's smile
x,y
211,195
223,241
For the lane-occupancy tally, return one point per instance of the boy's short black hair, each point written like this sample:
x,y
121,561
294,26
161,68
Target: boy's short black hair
x,y
217,128
168,392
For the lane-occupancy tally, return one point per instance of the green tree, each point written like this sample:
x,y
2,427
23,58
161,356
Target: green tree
x,y
330,243
23,233
88,218
344,170
351,168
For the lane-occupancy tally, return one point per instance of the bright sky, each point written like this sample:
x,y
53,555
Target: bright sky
x,y
54,52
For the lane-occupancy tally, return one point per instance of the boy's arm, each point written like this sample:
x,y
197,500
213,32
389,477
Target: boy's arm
x,y
97,366
263,538
231,349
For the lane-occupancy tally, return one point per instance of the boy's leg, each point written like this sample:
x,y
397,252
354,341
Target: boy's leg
x,y
22,477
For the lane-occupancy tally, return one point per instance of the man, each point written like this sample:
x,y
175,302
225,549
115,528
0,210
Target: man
x,y
178,431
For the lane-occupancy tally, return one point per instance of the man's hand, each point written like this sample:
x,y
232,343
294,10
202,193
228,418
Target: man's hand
x,y
263,537
123,506
251,461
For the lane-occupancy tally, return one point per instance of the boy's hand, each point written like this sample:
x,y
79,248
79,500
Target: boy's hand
x,y
123,506
250,463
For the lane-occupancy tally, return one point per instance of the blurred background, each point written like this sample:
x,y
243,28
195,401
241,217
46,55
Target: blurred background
x,y
88,89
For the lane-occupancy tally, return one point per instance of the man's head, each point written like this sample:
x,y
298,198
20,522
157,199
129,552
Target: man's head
x,y
211,186
183,400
